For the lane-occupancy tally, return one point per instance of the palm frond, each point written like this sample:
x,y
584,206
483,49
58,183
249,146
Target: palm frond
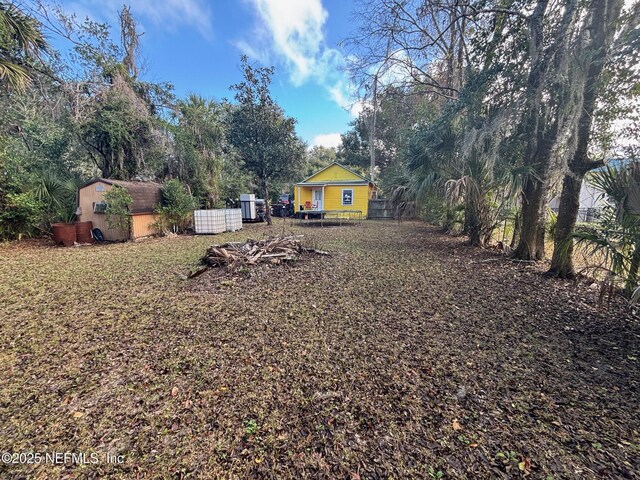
x,y
16,76
18,32
635,297
21,28
56,192
597,243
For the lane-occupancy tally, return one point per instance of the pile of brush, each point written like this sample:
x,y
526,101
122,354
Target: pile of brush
x,y
271,250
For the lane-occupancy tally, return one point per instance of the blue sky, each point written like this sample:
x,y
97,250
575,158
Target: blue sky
x,y
196,46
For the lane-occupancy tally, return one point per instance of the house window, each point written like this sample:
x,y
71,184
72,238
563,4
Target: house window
x,y
347,196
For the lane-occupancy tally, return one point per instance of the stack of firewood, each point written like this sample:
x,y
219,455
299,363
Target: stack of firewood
x,y
271,250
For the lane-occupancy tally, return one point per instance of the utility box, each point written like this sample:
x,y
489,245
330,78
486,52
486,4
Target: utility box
x,y
248,207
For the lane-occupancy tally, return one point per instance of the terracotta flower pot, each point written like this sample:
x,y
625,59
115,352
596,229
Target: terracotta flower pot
x,y
64,234
83,232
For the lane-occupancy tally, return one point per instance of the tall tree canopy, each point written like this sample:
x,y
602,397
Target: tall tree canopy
x,y
513,96
200,147
263,135
85,112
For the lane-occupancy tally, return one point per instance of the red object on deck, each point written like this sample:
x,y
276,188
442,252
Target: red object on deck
x,y
307,205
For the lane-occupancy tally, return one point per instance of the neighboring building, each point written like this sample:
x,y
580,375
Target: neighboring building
x,y
145,195
592,199
334,188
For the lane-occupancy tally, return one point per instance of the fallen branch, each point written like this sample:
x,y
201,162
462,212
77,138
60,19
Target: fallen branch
x,y
197,272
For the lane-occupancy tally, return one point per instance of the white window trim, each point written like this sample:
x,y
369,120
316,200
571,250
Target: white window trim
x,y
342,197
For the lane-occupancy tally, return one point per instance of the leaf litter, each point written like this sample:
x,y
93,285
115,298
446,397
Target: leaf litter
x,y
401,355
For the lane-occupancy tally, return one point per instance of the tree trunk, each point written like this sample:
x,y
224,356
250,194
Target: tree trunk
x,y
211,200
515,238
562,260
604,16
451,55
461,47
476,225
531,194
120,158
466,225
474,230
542,126
542,226
528,246
105,169
632,279
111,164
267,208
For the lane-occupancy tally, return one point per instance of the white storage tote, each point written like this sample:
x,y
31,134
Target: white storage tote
x,y
209,221
233,219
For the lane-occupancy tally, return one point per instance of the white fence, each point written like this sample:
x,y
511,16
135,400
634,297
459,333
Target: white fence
x,y
217,221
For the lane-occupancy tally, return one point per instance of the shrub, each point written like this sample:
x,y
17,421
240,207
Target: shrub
x,y
177,207
117,213
615,237
19,212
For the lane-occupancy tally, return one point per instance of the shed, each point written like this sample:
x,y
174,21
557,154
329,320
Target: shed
x,y
145,195
334,188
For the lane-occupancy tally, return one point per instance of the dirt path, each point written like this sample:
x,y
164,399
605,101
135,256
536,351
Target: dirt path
x,y
402,355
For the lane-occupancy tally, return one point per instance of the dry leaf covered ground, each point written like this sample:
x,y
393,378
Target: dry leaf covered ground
x,y
404,354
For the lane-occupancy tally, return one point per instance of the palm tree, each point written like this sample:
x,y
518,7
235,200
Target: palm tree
x,y
20,37
56,193
202,134
617,237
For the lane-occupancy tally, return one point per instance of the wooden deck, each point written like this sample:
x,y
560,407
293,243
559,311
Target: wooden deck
x,y
329,217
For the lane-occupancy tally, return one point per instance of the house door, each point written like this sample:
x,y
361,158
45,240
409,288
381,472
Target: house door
x,y
316,199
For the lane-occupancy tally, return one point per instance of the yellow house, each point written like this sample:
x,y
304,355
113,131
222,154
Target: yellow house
x,y
334,189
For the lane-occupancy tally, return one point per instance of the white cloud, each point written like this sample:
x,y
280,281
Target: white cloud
x,y
177,13
250,51
294,29
339,93
397,71
331,140
168,14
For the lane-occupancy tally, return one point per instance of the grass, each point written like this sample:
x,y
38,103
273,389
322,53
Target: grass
x,y
402,355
